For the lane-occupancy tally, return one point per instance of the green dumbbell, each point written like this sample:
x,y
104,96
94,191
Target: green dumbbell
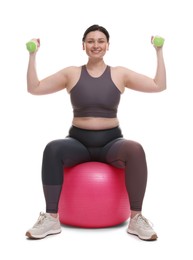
x,y
32,45
158,41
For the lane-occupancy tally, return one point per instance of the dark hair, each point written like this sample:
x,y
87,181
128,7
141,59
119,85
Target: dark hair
x,y
96,27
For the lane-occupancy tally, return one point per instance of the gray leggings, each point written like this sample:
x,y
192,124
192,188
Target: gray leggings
x,y
107,146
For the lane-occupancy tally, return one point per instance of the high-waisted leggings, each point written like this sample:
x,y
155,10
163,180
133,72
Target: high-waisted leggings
x,y
107,146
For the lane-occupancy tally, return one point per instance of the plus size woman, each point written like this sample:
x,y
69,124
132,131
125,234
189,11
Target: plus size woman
x,y
95,134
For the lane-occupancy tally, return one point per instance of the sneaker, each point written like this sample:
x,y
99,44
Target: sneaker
x,y
141,227
45,225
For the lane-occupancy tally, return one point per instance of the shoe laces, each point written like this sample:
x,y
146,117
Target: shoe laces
x,y
144,221
41,218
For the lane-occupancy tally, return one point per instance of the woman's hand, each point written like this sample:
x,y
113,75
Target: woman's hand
x,y
33,45
157,42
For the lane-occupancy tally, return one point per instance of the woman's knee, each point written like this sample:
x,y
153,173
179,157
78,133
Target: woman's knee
x,y
52,149
123,151
135,151
134,147
129,150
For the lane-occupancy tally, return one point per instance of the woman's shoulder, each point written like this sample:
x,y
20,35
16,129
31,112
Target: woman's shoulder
x,y
118,76
118,68
72,74
72,69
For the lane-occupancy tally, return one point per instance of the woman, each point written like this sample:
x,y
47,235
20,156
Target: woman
x,y
95,90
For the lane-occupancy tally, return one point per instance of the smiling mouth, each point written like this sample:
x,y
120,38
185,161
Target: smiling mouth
x,y
96,51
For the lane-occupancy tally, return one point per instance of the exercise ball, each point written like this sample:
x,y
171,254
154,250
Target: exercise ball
x,y
93,196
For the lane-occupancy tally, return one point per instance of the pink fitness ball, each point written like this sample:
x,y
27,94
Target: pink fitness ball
x,y
94,196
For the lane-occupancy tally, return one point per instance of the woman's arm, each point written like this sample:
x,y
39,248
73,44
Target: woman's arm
x,y
48,85
160,77
143,83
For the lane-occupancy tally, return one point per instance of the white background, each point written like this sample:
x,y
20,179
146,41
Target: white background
x,y
160,122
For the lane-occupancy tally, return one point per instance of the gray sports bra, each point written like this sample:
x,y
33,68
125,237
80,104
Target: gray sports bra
x,y
95,97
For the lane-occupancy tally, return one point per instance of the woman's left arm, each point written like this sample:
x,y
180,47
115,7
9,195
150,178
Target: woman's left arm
x,y
144,83
160,76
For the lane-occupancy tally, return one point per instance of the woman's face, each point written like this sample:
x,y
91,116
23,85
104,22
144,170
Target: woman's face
x,y
95,44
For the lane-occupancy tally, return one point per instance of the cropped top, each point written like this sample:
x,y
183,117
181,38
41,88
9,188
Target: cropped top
x,y
95,97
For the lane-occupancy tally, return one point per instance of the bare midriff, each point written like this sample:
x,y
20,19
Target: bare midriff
x,y
95,123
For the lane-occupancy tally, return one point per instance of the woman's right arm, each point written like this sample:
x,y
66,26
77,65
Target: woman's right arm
x,y
51,84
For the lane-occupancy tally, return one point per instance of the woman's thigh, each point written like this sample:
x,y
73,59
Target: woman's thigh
x,y
60,154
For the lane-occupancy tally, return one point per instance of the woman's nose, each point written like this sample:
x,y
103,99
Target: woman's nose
x,y
95,44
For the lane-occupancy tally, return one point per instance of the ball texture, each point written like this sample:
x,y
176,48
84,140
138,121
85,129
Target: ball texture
x,y
94,196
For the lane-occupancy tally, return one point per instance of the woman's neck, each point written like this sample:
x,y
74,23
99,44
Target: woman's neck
x,y
96,64
96,68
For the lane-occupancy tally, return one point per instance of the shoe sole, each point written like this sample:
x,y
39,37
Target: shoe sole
x,y
29,235
152,238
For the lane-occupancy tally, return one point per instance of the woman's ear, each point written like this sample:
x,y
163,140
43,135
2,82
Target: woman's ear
x,y
108,46
83,47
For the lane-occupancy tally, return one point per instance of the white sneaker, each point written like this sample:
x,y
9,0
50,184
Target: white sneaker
x,y
45,225
141,227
